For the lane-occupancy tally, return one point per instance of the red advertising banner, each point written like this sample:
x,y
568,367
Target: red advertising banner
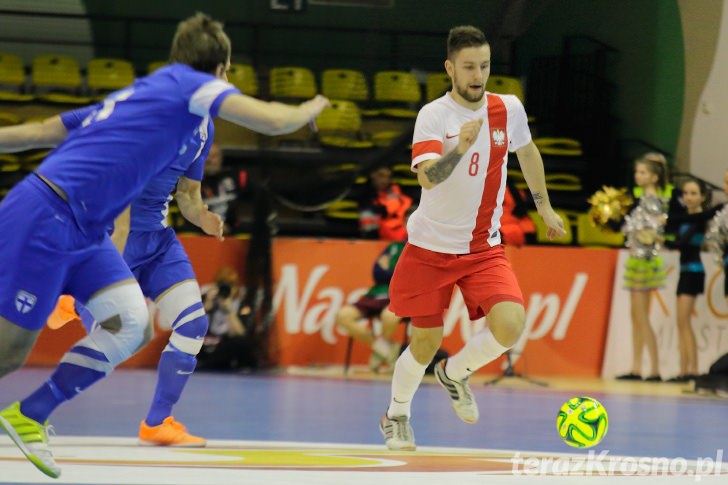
x,y
567,293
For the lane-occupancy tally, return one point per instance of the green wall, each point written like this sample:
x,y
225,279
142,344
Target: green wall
x,y
649,70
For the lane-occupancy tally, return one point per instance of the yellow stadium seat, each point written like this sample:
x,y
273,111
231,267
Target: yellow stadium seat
x,y
340,125
567,147
12,78
292,82
396,91
341,116
344,84
505,85
106,74
153,66
563,182
396,86
12,71
589,235
9,159
56,71
13,96
10,167
342,209
437,84
542,229
244,78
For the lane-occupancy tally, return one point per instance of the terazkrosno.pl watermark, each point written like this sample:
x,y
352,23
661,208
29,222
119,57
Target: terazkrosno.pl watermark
x,y
603,464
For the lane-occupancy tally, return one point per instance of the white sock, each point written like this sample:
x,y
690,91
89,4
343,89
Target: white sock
x,y
481,349
381,346
406,379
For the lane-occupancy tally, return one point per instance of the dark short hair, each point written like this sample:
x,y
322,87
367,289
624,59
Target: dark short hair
x,y
201,43
464,36
702,186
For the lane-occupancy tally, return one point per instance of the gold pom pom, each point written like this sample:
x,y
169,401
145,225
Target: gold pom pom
x,y
609,204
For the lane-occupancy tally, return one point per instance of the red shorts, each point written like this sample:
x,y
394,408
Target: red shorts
x,y
424,280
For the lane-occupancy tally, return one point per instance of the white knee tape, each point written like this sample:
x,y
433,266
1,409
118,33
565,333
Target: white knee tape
x,y
122,315
177,300
188,345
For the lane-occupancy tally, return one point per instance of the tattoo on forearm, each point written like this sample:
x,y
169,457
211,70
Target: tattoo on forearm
x,y
439,171
537,198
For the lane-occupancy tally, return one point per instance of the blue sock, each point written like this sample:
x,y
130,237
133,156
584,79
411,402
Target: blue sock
x,y
88,320
67,381
174,370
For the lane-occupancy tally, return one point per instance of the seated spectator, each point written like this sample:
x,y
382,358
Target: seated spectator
x,y
382,206
229,344
221,189
375,304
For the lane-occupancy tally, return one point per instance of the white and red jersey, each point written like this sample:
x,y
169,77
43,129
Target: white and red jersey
x,y
462,214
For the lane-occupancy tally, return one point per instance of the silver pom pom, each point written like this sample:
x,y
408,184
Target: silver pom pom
x,y
716,235
643,228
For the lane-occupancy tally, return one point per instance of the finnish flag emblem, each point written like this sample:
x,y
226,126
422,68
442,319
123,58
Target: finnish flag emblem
x,y
24,301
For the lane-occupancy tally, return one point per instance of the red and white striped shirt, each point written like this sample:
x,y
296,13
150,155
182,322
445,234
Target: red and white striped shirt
x,y
462,214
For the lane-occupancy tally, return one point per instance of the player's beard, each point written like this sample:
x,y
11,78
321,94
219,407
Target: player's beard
x,y
468,95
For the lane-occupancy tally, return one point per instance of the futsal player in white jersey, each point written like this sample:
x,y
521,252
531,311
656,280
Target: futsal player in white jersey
x,y
460,149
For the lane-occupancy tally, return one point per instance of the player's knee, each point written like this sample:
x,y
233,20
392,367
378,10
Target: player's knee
x,y
181,309
347,314
134,324
507,321
177,303
122,312
188,337
424,344
508,331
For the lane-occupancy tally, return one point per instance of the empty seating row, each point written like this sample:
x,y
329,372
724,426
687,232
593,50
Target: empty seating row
x,y
49,72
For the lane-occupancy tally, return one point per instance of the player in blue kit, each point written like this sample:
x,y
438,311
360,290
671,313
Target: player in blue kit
x,y
53,224
165,275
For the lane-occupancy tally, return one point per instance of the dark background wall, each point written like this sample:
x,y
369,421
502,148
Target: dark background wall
x,y
647,69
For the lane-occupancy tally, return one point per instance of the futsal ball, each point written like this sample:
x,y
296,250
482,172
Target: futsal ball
x,y
582,422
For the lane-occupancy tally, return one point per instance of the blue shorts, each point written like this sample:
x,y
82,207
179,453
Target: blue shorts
x,y
157,260
44,253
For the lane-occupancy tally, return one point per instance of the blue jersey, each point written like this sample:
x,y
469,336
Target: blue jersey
x,y
159,124
149,210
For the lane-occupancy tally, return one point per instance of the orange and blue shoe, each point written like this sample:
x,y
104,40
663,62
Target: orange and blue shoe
x,y
169,433
64,312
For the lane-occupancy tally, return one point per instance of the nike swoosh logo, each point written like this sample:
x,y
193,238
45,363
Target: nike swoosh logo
x,y
184,373
450,136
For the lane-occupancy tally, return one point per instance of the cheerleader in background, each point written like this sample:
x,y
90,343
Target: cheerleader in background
x,y
716,237
645,270
689,228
